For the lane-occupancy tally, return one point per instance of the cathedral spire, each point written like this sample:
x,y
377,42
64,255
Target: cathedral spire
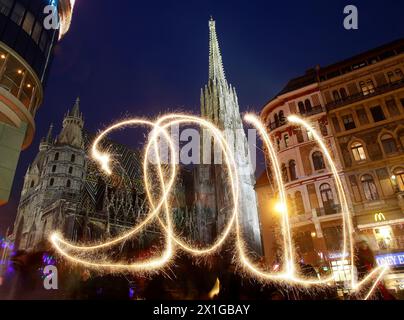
x,y
49,135
76,108
216,71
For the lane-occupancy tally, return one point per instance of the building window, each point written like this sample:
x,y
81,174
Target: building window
x,y
70,170
399,74
390,76
32,184
362,116
336,96
307,105
286,137
276,120
292,170
367,87
18,13
285,173
318,161
304,242
399,178
56,156
36,34
282,119
336,124
52,182
349,122
358,151
73,158
377,114
310,136
392,107
68,184
333,237
300,105
299,204
278,144
327,198
343,93
28,23
5,6
54,169
369,188
323,128
299,135
388,143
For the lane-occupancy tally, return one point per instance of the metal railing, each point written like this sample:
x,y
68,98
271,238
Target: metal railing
x,y
326,211
360,96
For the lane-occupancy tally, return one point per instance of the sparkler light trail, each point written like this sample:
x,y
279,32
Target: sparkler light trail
x,y
159,131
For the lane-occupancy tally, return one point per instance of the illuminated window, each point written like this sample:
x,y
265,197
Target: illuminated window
x,y
327,198
358,151
28,23
389,144
384,237
399,74
367,87
310,135
399,177
369,188
318,161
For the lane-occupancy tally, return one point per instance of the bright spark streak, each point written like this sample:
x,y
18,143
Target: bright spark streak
x,y
159,128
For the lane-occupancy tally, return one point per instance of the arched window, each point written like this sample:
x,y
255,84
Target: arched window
x,y
68,184
282,118
336,96
308,106
399,178
343,93
73,158
318,161
56,156
54,168
369,187
70,170
286,138
276,119
358,151
388,143
292,170
299,205
300,105
52,182
285,173
399,74
327,198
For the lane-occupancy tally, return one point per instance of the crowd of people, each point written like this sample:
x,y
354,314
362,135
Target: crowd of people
x,y
216,278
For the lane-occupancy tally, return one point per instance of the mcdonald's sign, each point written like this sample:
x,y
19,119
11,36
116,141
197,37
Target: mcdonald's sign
x,y
379,217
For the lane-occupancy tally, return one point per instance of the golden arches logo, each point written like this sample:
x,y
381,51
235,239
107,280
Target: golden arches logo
x,y
160,211
380,217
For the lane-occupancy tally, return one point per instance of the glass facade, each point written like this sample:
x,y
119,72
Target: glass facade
x,y
22,29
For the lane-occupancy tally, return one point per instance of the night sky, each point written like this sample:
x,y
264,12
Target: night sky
x,y
148,57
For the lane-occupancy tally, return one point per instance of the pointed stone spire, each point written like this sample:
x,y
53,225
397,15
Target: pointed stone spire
x,y
49,135
216,71
76,108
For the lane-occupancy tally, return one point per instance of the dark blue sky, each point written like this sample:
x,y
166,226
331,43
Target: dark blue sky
x,y
146,57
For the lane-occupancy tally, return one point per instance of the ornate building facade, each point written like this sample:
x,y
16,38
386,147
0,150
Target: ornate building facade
x,y
219,104
64,190
358,107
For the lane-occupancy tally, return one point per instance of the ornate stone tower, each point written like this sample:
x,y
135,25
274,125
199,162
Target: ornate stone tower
x,y
219,104
53,184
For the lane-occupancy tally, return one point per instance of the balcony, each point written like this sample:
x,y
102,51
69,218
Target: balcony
x,y
275,125
315,110
360,96
330,210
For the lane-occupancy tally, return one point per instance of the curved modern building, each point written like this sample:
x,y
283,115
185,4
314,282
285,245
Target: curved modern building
x,y
26,46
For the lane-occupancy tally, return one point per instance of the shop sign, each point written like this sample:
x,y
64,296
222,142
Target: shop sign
x,y
391,259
